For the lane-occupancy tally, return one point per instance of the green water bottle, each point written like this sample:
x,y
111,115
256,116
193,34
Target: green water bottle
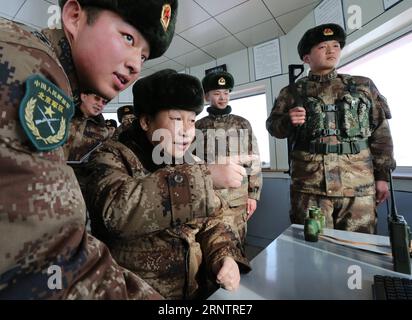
x,y
311,230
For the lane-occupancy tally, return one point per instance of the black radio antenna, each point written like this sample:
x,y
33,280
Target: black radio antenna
x,y
394,212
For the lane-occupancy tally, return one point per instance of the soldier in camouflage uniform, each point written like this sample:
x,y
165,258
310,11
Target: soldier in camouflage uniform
x,y
87,132
342,146
45,251
226,134
88,128
126,116
161,219
111,123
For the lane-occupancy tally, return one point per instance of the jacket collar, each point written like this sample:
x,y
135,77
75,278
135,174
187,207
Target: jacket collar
x,y
135,139
219,112
61,46
323,78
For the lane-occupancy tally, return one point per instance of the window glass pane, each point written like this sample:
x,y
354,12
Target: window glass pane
x,y
254,110
390,69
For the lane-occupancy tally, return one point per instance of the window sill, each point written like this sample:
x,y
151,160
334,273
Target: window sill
x,y
402,177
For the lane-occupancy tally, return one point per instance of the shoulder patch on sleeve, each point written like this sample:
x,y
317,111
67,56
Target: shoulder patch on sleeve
x,y
45,113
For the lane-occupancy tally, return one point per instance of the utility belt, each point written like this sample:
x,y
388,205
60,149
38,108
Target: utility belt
x,y
353,147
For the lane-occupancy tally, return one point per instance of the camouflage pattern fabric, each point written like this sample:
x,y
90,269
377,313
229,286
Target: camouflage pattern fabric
x,y
236,132
357,214
42,211
240,219
160,221
120,129
336,175
86,135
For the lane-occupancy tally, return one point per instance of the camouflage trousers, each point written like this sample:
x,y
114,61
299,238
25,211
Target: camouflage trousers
x,y
240,216
357,214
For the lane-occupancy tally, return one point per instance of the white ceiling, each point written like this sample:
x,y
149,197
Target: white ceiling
x,y
205,30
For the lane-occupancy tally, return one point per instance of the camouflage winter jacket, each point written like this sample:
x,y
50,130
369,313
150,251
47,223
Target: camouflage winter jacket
x,y
230,135
45,252
119,130
336,174
85,136
160,221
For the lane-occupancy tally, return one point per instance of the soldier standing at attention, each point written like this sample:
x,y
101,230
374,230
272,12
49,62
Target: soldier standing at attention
x,y
226,134
343,149
125,115
46,252
162,219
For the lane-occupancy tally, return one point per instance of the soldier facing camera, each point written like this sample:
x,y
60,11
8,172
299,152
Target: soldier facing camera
x,y
236,131
339,128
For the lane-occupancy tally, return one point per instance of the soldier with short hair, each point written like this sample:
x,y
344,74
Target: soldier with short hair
x,y
343,149
160,218
226,134
46,252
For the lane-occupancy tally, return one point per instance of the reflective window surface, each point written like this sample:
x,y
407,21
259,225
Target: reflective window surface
x,y
390,69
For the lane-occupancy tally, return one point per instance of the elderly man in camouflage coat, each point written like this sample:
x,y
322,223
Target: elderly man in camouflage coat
x,y
343,149
228,135
161,219
45,252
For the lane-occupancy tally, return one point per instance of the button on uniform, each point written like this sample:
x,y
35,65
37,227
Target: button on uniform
x,y
178,178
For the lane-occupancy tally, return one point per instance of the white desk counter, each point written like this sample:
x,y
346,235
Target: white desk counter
x,y
291,268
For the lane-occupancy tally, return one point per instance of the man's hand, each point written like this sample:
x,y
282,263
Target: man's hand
x,y
382,191
243,159
297,116
227,175
251,207
228,276
229,172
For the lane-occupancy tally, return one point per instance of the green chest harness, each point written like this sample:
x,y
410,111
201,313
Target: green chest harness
x,y
347,119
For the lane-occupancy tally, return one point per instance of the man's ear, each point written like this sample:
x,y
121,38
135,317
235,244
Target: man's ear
x,y
207,96
71,18
306,59
144,122
83,97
